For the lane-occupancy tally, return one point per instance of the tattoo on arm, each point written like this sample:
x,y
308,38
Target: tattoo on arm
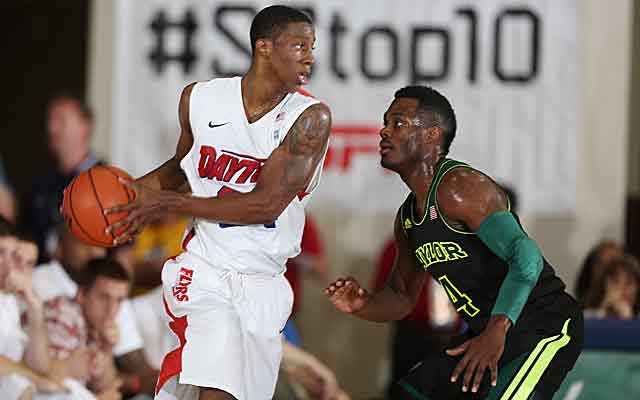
x,y
306,143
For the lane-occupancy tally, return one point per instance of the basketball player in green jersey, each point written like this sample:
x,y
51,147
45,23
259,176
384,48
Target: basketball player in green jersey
x,y
524,331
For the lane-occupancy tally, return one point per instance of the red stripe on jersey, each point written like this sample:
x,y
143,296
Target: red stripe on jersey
x,y
188,238
302,195
305,93
172,363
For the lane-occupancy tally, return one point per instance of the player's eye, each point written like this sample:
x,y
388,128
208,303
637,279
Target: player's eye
x,y
398,123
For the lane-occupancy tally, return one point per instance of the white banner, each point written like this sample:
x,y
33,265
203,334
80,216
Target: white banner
x,y
511,68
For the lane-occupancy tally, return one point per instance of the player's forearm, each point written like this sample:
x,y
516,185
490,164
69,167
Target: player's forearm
x,y
385,305
168,176
234,208
36,354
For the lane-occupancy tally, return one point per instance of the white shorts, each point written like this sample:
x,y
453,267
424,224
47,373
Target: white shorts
x,y
228,328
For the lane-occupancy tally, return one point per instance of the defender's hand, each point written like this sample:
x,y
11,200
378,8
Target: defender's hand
x,y
482,352
147,206
347,295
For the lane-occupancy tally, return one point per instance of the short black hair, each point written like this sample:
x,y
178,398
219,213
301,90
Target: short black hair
x,y
272,20
105,267
433,102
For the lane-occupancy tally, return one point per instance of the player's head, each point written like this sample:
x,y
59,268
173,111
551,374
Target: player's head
x,y
284,37
419,122
69,125
104,284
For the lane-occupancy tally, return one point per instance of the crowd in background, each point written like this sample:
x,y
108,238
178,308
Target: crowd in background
x,y
78,321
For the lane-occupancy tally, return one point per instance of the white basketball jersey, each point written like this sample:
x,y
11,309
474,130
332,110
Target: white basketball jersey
x,y
227,155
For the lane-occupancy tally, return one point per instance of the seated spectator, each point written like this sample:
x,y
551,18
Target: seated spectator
x,y
83,331
7,201
307,376
615,293
69,129
598,256
61,277
23,363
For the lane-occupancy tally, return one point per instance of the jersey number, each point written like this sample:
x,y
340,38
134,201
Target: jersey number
x,y
226,190
460,300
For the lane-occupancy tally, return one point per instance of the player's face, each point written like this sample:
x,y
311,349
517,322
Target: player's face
x,y
292,56
402,137
67,128
102,301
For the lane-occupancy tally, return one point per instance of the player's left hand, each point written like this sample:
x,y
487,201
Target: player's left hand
x,y
147,206
481,352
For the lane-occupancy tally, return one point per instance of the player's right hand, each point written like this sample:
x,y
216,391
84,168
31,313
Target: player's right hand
x,y
347,295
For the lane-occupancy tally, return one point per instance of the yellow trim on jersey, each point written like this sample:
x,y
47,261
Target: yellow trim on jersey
x,y
535,365
431,188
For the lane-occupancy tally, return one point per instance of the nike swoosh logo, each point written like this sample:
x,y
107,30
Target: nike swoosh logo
x,y
212,125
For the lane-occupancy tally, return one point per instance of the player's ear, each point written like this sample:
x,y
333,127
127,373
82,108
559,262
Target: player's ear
x,y
433,134
264,47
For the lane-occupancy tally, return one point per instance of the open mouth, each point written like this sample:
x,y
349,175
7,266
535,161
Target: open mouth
x,y
303,78
385,148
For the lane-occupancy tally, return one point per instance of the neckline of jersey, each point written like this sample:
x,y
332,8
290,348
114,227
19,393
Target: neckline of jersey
x,y
265,116
434,183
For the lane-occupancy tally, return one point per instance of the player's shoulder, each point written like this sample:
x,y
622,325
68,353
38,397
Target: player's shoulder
x,y
217,86
464,175
465,186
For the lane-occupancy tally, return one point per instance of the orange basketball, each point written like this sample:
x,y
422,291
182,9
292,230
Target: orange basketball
x,y
85,199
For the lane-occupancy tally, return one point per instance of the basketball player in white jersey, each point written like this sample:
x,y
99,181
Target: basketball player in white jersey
x,y
251,149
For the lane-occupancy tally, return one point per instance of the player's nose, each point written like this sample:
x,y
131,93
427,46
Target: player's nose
x,y
384,132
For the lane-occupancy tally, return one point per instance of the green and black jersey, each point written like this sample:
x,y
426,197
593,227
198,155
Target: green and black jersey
x,y
469,272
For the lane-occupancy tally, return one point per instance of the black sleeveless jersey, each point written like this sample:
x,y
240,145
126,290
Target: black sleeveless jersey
x,y
468,271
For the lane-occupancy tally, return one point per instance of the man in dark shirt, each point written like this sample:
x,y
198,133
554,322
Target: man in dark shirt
x,y
69,126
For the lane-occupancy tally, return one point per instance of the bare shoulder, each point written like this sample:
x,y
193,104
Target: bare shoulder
x,y
185,96
317,115
468,196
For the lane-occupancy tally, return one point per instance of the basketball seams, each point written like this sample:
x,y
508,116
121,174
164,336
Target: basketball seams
x,y
126,192
75,219
95,192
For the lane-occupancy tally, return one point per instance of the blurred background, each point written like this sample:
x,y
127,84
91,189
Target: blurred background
x,y
546,93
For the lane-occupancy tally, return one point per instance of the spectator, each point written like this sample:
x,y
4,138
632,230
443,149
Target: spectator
x,y
615,293
61,276
83,330
598,256
308,376
7,202
69,126
24,361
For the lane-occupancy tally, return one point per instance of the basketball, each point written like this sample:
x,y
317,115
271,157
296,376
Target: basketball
x,y
86,198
